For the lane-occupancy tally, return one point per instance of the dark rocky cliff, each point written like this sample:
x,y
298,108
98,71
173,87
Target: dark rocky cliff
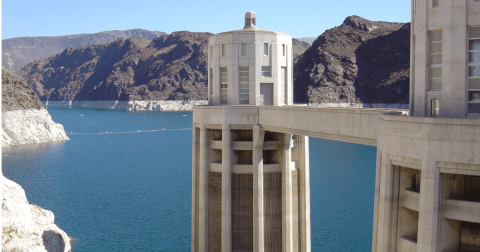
x,y
358,61
17,52
16,94
170,67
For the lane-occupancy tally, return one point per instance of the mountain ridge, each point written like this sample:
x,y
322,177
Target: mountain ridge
x,y
360,61
19,51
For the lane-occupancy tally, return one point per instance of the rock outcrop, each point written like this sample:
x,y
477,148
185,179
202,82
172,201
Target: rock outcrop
x,y
17,52
170,67
24,120
28,228
360,61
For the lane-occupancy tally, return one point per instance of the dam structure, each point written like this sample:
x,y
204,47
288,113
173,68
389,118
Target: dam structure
x,y
250,157
250,186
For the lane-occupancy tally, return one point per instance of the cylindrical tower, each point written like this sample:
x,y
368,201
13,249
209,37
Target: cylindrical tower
x,y
250,186
250,67
445,63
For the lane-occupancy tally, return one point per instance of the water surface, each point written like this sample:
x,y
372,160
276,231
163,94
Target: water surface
x,y
132,191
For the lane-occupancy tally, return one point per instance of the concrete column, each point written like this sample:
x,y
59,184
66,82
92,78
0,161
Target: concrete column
x,y
304,166
376,202
287,230
258,216
226,189
194,189
387,206
429,207
203,192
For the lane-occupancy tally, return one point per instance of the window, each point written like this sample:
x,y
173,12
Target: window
x,y
243,85
266,72
244,49
283,46
223,85
265,49
223,50
283,83
435,61
435,3
473,95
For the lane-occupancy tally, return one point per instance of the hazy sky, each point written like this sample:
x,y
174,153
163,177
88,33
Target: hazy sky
x,y
298,18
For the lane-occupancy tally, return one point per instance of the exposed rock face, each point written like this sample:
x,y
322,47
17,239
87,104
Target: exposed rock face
x,y
24,120
17,52
299,47
16,94
30,126
170,67
28,228
360,61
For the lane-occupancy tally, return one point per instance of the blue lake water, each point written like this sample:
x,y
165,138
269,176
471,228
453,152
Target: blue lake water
x,y
132,191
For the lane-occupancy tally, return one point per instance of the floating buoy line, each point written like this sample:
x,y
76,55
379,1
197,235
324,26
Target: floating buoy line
x,y
126,132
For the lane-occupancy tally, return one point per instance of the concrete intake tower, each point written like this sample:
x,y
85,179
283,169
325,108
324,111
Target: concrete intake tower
x,y
250,186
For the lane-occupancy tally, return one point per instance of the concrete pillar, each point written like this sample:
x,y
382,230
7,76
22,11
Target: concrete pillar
x,y
387,206
304,169
258,221
194,188
226,189
429,207
377,200
203,192
287,229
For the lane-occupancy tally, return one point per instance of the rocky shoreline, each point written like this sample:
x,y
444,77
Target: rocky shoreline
x,y
27,227
151,105
30,126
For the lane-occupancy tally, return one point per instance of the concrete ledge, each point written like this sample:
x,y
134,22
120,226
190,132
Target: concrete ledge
x,y
461,210
410,199
242,169
406,244
242,145
216,167
216,144
271,168
271,145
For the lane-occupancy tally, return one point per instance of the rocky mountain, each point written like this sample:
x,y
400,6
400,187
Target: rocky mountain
x,y
170,67
299,47
359,61
308,40
16,94
17,52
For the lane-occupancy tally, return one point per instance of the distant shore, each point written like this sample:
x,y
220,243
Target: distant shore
x,y
152,105
156,105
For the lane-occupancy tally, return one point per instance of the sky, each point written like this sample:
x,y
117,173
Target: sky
x,y
298,18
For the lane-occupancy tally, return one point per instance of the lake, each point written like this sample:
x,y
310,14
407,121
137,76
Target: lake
x,y
118,189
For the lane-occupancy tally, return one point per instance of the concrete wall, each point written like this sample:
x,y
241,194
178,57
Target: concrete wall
x,y
452,18
434,147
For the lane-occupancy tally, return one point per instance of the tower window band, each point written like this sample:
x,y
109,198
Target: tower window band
x,y
473,94
243,85
435,59
224,85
